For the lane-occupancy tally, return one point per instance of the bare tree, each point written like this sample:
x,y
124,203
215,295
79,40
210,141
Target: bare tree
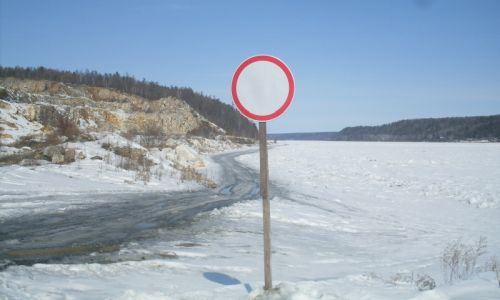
x,y
153,135
459,260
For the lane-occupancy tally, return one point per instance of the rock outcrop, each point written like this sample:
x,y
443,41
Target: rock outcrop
x,y
100,109
51,151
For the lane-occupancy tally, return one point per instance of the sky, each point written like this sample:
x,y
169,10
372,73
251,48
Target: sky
x,y
354,62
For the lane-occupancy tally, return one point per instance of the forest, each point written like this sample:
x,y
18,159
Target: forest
x,y
217,112
451,129
429,129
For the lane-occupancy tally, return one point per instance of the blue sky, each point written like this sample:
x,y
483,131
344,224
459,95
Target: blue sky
x,y
354,62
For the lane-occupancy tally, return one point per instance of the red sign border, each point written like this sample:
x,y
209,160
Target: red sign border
x,y
291,85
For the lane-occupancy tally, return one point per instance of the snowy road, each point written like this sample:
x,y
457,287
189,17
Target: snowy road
x,y
113,219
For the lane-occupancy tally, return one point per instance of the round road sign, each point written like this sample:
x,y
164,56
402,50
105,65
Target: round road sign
x,y
262,87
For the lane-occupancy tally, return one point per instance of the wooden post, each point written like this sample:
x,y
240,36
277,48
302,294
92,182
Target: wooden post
x,y
266,210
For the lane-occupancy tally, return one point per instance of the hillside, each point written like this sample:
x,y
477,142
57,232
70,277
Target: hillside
x,y
101,138
221,114
415,130
81,107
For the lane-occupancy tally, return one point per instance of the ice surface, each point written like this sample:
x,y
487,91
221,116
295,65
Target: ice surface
x,y
349,221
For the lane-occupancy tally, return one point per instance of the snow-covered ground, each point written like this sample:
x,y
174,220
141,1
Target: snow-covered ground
x,y
350,221
103,175
18,184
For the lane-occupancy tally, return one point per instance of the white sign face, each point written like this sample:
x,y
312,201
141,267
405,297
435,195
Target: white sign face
x,y
262,88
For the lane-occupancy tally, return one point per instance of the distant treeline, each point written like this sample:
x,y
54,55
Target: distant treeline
x,y
304,136
416,130
224,115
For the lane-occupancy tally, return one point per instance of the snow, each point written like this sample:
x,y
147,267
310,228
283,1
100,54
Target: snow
x,y
87,174
187,156
349,221
19,185
466,172
6,150
22,183
14,124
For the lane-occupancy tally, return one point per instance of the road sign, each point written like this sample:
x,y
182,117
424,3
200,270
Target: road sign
x,y
262,89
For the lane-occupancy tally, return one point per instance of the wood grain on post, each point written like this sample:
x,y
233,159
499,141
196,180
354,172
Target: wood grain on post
x,y
266,210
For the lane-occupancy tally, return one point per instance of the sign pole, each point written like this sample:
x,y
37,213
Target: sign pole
x,y
262,89
266,210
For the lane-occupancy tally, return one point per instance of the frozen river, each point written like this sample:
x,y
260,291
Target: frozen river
x,y
349,221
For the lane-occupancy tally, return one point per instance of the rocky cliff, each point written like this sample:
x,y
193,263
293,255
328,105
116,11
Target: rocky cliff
x,y
212,109
97,109
103,135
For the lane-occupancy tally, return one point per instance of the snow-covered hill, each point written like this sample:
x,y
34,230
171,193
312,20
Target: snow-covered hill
x,y
60,138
